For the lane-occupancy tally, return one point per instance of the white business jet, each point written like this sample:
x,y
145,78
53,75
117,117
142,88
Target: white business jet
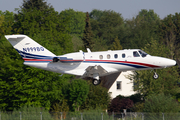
x,y
86,64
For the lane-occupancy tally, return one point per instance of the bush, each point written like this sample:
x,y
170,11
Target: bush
x,y
160,104
118,104
138,107
136,98
98,97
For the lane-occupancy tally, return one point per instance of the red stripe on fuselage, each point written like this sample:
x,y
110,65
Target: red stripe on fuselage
x,y
71,60
135,63
25,59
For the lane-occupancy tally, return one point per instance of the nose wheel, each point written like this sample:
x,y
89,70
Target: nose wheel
x,y
155,76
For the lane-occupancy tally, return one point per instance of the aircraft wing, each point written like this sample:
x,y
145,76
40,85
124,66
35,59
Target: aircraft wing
x,y
94,69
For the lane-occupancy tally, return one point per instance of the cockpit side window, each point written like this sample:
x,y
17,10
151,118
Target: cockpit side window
x,y
143,54
136,54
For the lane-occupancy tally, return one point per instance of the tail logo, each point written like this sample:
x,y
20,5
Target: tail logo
x,y
33,49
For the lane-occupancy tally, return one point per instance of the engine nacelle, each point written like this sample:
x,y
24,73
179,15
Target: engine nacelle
x,y
56,59
71,57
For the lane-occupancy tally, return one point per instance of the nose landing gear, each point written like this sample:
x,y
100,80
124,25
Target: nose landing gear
x,y
155,76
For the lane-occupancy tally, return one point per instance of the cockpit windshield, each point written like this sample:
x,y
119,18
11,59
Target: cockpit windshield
x,y
143,54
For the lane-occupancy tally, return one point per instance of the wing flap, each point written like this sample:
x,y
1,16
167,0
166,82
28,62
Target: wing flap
x,y
94,69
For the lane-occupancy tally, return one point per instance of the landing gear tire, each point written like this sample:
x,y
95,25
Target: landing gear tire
x,y
155,76
96,82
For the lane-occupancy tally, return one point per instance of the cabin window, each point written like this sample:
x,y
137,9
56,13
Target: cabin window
x,y
108,56
118,84
115,56
100,57
136,54
123,55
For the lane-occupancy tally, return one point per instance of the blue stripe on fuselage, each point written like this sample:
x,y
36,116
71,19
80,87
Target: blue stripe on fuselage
x,y
127,64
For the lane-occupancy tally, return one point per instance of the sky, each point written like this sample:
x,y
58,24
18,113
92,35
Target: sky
x,y
127,8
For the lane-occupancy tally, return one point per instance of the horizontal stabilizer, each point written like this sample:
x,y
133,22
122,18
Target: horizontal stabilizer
x,y
14,36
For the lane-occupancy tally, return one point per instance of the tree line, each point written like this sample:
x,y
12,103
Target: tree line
x,y
70,30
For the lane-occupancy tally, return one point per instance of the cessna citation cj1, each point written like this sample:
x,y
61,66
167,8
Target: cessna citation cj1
x,y
86,64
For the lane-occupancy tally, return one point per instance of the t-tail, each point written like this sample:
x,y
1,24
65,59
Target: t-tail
x,y
29,50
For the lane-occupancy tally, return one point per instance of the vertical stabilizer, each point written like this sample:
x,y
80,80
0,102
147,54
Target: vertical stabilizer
x,y
28,48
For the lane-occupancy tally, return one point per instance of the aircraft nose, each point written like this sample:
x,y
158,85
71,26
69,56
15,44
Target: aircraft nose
x,y
170,62
165,62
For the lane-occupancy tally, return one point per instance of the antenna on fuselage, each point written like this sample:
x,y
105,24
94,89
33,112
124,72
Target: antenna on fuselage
x,y
88,50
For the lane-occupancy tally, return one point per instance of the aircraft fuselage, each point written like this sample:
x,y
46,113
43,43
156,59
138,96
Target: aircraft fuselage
x,y
111,61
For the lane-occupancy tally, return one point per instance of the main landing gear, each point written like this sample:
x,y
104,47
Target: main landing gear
x,y
96,80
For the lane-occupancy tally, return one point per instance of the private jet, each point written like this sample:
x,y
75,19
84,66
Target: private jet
x,y
86,64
